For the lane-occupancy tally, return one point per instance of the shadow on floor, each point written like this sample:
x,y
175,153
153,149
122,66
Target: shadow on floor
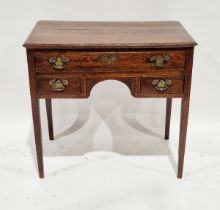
x,y
105,125
123,134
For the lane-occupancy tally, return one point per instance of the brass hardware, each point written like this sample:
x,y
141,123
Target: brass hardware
x,y
59,62
159,61
58,85
161,84
107,58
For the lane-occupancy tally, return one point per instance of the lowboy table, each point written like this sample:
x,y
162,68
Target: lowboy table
x,y
66,59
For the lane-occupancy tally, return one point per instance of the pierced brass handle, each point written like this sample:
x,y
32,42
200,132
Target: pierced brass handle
x,y
161,84
159,61
107,58
58,85
59,62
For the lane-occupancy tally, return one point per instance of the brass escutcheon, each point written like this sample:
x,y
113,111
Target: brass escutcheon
x,y
159,61
161,84
59,62
107,58
58,85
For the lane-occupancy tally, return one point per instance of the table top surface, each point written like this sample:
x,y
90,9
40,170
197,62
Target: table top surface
x,y
82,34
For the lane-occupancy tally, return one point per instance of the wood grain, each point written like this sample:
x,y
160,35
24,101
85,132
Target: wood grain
x,y
49,118
74,86
134,42
73,34
175,88
168,115
126,61
185,113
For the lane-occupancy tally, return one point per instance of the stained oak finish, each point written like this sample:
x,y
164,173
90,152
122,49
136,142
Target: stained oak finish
x,y
124,61
49,118
67,59
176,86
69,34
168,115
74,86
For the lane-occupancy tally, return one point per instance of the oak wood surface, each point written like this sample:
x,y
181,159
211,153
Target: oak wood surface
x,y
185,112
74,86
89,61
35,113
80,34
168,116
175,88
49,118
134,42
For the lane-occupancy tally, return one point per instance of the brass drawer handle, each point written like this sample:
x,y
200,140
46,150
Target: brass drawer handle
x,y
107,58
58,85
159,61
59,62
161,84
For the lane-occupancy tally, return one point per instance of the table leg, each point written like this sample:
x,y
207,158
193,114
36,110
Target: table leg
x,y
168,115
183,132
37,134
49,118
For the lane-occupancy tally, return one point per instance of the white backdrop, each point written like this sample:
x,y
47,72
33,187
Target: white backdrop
x,y
110,111
201,19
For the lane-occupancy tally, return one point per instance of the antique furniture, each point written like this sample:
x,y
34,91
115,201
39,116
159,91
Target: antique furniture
x,y
66,59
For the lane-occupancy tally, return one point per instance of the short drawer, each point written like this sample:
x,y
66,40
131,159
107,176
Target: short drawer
x,y
77,61
59,86
161,85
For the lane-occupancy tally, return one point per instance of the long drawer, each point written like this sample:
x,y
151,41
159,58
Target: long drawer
x,y
67,61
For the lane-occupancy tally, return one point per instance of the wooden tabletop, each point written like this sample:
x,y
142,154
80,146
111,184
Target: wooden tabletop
x,y
79,35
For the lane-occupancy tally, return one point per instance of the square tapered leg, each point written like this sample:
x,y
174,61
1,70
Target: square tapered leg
x,y
37,135
182,135
168,115
49,118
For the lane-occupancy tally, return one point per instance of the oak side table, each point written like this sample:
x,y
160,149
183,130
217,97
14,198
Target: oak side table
x,y
66,59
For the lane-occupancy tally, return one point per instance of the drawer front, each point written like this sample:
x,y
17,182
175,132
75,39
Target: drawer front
x,y
161,85
59,86
74,61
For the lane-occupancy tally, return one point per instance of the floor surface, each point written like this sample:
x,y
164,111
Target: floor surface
x,y
110,161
